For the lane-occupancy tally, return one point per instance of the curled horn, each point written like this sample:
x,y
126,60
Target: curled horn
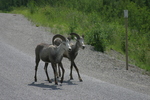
x,y
75,34
58,36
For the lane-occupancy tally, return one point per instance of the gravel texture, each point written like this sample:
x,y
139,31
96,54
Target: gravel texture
x,y
95,64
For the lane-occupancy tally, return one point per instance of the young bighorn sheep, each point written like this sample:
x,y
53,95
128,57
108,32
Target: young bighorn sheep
x,y
51,54
73,53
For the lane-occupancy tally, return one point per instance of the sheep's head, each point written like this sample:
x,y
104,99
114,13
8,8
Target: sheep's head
x,y
61,40
80,40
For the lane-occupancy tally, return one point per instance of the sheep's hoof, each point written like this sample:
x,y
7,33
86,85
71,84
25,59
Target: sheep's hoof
x,y
61,81
71,78
49,81
35,80
80,80
56,83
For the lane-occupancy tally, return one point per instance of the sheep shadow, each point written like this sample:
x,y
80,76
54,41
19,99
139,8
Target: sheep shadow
x,y
45,86
69,82
51,87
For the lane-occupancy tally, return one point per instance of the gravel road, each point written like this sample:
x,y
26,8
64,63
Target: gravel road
x,y
104,77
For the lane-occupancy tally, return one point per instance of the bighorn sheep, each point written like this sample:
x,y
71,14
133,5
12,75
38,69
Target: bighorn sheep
x,y
51,54
73,53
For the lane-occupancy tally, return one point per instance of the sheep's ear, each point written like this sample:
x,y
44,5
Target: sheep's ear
x,y
82,36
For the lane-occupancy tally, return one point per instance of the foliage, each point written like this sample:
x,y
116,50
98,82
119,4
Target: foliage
x,y
101,21
7,5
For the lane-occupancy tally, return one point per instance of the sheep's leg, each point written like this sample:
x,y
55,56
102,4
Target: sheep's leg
x,y
59,70
36,67
71,67
55,73
63,71
77,71
45,68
